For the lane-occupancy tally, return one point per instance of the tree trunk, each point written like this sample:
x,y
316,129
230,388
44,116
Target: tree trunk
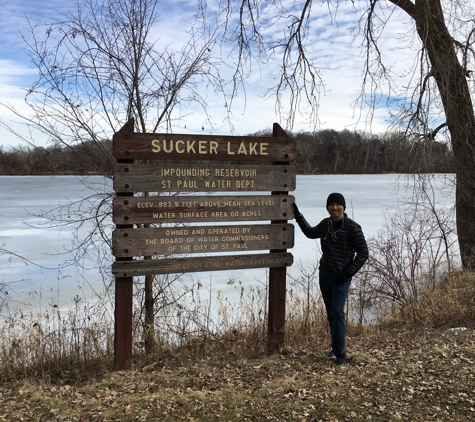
x,y
450,77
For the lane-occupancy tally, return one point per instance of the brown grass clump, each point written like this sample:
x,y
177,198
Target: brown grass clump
x,y
78,344
449,305
56,346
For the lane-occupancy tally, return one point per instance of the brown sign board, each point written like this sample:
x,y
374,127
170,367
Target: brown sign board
x,y
201,239
135,268
202,178
156,146
200,164
196,209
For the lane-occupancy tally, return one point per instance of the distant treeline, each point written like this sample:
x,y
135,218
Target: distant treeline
x,y
322,152
85,158
346,152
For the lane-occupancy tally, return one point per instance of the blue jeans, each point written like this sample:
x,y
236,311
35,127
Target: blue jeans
x,y
334,298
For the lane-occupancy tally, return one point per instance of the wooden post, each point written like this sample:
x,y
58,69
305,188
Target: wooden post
x,y
123,323
123,290
277,284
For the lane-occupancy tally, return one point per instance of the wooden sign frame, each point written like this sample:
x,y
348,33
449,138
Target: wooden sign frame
x,y
201,165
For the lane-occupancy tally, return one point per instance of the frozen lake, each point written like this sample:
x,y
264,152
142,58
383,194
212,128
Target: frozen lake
x,y
41,275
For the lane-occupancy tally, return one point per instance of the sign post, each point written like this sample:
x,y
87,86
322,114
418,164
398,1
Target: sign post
x,y
123,286
277,284
201,165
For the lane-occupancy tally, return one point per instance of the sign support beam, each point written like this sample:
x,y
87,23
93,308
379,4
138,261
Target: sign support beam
x,y
123,290
277,283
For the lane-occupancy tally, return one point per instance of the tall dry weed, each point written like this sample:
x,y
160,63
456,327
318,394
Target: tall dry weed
x,y
66,344
451,304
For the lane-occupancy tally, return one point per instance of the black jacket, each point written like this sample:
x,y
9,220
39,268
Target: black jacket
x,y
344,248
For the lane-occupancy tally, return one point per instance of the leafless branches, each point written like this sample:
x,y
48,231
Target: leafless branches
x,y
259,31
410,254
103,65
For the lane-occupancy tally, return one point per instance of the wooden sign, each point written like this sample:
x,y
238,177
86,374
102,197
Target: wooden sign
x,y
202,178
135,268
201,239
156,146
192,209
200,164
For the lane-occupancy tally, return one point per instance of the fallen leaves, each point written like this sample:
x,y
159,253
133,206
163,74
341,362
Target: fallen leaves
x,y
428,379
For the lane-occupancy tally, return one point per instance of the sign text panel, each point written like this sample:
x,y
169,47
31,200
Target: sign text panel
x,y
196,264
201,239
202,178
181,209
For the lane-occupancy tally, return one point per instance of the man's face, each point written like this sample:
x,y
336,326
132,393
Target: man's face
x,y
336,211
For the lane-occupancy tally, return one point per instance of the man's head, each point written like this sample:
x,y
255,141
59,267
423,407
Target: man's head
x,y
336,205
338,198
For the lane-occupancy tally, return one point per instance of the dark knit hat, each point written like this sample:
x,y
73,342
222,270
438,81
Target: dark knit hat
x,y
336,197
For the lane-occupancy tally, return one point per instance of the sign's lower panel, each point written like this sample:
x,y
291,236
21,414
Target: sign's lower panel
x,y
196,264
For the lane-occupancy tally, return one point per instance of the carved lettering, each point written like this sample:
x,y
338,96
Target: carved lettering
x,y
189,184
193,214
244,184
235,172
203,147
217,184
171,240
185,172
144,204
219,214
163,215
251,213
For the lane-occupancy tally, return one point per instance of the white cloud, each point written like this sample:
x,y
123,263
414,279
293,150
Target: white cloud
x,y
330,44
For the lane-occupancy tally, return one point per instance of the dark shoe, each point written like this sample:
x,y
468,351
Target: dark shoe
x,y
331,354
342,361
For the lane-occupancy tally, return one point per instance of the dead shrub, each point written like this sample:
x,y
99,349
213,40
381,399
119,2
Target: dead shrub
x,y
451,304
409,256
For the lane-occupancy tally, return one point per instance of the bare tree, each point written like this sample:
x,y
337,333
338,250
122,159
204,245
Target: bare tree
x,y
102,66
3,284
442,96
439,96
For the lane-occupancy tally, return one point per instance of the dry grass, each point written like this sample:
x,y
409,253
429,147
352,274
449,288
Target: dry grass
x,y
408,367
451,304
55,346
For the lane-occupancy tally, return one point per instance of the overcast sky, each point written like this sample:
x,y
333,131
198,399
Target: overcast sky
x,y
331,45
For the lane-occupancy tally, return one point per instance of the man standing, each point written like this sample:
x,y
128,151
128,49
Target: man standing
x,y
344,251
